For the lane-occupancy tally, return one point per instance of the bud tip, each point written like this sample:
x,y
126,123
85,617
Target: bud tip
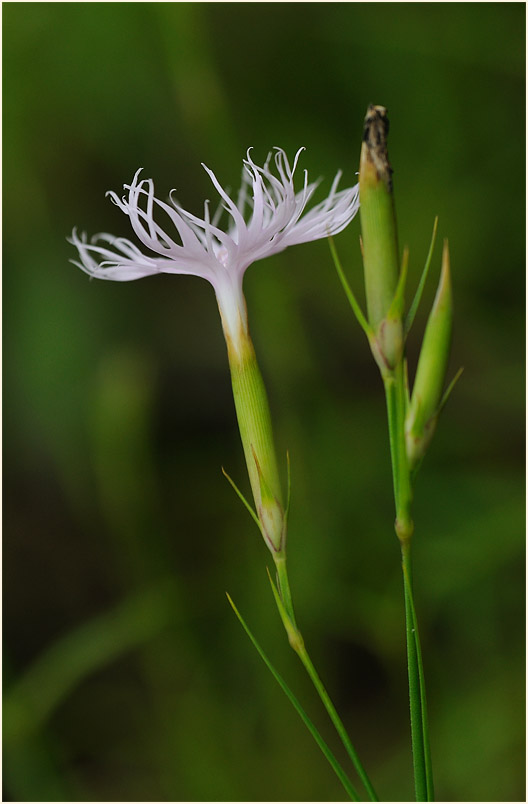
x,y
374,150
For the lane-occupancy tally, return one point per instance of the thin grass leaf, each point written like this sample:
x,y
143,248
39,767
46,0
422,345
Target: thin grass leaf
x,y
396,308
349,293
423,699
406,384
297,643
340,773
294,637
418,295
415,704
288,499
241,496
449,389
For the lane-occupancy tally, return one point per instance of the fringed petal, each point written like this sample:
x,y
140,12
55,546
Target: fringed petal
x,y
276,220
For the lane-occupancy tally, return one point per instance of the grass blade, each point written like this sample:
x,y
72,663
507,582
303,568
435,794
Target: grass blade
x,y
349,292
421,679
241,497
418,295
340,773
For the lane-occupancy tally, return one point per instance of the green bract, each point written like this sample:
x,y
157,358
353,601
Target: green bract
x,y
426,396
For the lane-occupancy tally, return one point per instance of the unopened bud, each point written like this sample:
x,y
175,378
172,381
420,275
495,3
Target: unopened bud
x,y
378,221
430,374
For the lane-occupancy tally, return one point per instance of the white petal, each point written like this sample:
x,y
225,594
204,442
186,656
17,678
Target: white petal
x,y
277,219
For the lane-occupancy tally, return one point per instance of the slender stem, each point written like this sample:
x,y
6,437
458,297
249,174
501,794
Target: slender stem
x,y
284,586
415,697
396,408
336,720
285,607
340,773
392,416
406,566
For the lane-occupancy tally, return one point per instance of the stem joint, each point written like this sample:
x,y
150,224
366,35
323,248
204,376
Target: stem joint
x,y
404,530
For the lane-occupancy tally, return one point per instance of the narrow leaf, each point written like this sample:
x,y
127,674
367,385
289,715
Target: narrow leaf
x,y
294,637
418,295
449,389
406,384
241,496
289,486
340,773
423,700
396,308
349,293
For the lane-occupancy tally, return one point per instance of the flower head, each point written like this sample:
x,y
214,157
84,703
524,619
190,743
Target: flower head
x,y
274,221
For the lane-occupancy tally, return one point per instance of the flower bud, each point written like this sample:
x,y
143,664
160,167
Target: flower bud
x,y
430,374
378,222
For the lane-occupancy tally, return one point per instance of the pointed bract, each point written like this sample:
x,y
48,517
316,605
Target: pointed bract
x,y
432,364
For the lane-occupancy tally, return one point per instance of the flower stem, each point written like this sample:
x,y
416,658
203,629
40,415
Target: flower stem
x,y
417,735
284,586
418,668
336,720
285,607
340,773
254,422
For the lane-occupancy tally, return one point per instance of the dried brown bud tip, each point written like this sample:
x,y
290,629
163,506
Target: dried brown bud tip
x,y
375,133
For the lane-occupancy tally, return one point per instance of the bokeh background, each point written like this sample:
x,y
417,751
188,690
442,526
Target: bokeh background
x,y
127,676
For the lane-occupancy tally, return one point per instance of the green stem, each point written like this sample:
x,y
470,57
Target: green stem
x,y
415,696
406,566
392,416
340,773
285,607
284,586
336,720
396,409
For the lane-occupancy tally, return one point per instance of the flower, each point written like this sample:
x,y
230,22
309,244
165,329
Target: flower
x,y
193,245
275,222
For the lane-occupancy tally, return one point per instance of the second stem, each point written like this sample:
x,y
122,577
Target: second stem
x,y
395,392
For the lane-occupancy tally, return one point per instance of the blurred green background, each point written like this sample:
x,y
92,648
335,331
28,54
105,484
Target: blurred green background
x,y
127,676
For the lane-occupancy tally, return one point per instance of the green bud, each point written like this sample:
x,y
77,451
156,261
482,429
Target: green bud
x,y
432,364
379,241
378,220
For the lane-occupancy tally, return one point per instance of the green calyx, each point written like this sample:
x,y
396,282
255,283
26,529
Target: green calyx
x,y
270,512
254,421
